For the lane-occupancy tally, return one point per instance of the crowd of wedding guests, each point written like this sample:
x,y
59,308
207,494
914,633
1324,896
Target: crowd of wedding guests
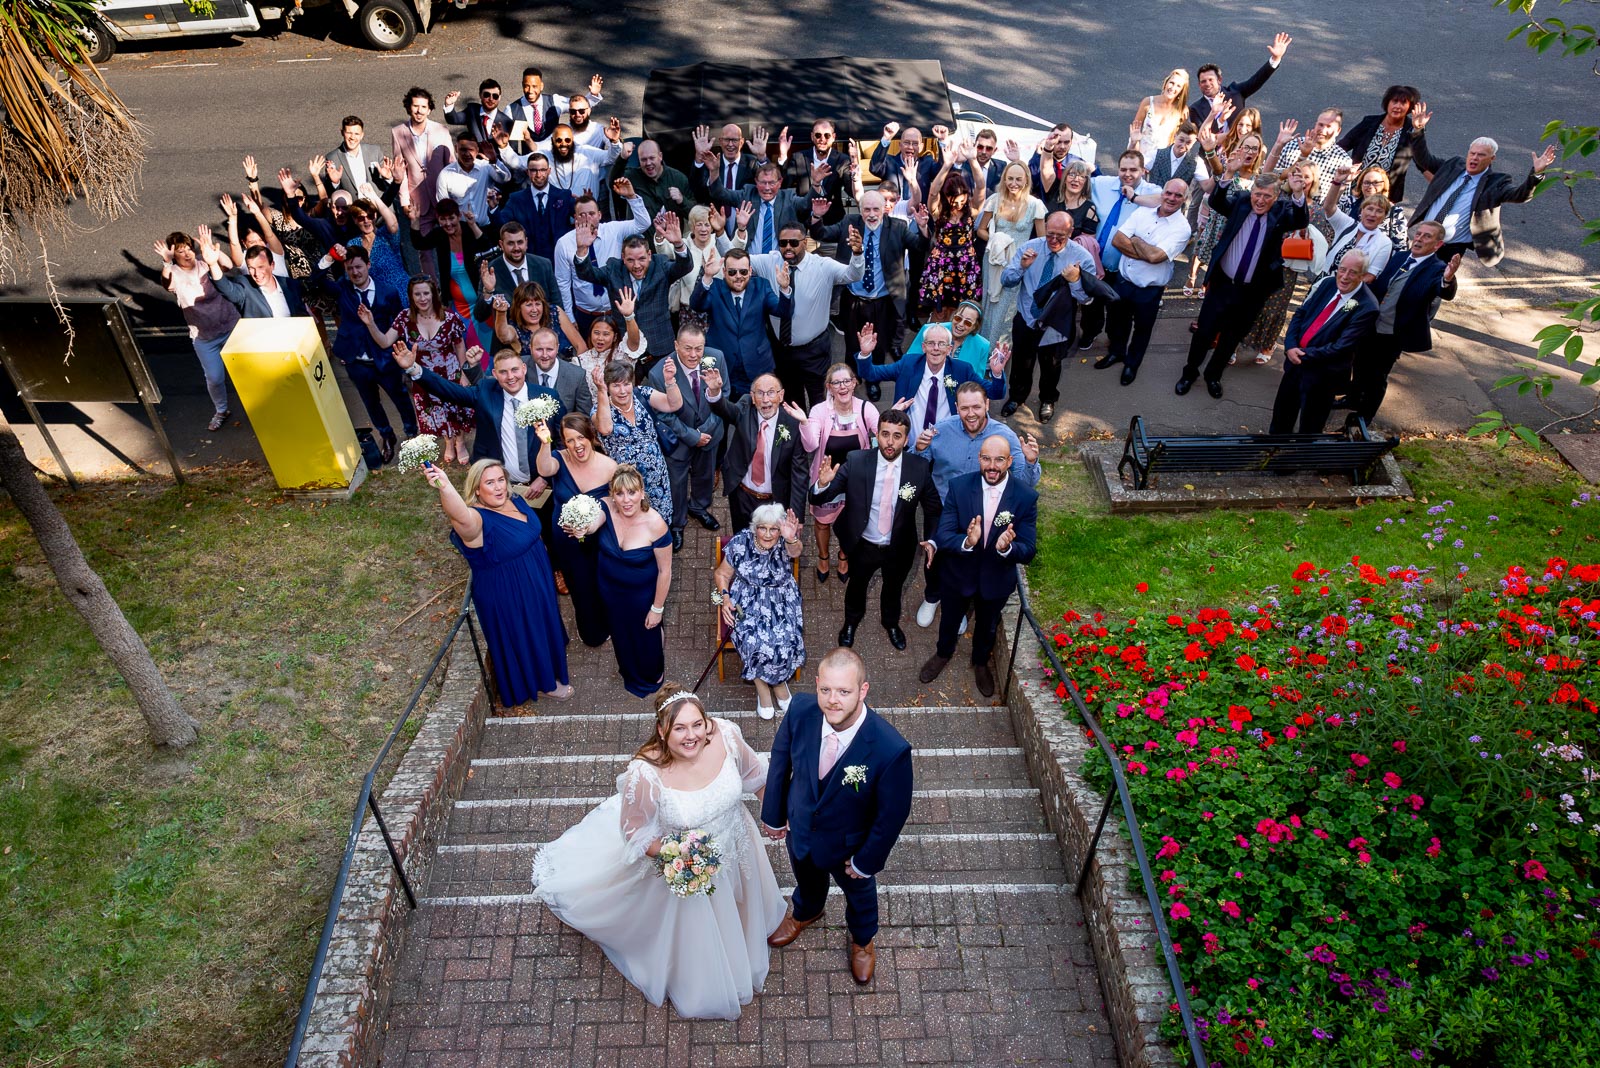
x,y
684,322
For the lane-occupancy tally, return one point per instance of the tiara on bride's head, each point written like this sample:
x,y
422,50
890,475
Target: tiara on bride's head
x,y
682,695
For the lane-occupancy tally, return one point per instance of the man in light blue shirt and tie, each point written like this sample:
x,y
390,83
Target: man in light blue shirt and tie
x,y
1466,193
1033,267
1114,197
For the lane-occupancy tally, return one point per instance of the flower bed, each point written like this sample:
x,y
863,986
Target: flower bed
x,y
1371,796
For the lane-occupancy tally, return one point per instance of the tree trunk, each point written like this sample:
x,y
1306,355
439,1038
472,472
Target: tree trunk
x,y
169,725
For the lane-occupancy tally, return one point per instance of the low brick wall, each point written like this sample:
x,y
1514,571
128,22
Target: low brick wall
x,y
353,995
1133,976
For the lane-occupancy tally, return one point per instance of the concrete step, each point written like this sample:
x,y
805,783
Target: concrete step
x,y
919,859
533,776
500,821
579,732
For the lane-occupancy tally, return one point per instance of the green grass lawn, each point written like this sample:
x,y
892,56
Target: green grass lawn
x,y
1091,560
162,909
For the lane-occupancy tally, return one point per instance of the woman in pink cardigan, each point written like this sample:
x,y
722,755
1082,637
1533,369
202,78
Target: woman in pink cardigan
x,y
836,427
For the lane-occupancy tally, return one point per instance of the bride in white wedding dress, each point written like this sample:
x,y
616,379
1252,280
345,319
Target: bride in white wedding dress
x,y
707,953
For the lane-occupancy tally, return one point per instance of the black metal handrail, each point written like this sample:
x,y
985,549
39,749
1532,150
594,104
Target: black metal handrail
x,y
1119,791
365,802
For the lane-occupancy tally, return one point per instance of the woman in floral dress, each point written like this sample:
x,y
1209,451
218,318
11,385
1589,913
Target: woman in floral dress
x,y
952,271
761,603
438,337
623,414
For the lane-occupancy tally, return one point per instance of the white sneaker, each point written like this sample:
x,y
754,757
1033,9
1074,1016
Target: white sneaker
x,y
963,629
764,711
925,613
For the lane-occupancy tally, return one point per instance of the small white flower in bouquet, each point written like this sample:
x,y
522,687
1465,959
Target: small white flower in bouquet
x,y
539,409
578,513
414,452
1002,519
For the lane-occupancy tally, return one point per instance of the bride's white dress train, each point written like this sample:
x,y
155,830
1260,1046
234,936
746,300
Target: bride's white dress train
x,y
707,953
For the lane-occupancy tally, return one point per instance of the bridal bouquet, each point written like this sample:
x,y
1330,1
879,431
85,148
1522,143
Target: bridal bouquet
x,y
540,409
689,861
578,513
414,452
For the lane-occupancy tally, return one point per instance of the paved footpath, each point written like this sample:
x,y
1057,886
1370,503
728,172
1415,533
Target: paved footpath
x,y
983,957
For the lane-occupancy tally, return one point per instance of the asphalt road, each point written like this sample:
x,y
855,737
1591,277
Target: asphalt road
x,y
209,101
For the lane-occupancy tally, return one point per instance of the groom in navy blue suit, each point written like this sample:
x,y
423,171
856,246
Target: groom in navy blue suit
x,y
838,790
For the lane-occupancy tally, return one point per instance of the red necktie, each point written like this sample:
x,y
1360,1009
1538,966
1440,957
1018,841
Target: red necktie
x,y
1327,313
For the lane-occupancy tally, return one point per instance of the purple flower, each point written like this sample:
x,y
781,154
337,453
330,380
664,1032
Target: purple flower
x,y
1508,940
1317,1032
1541,954
1416,1054
1268,1041
1491,974
1347,990
1381,1006
1223,1017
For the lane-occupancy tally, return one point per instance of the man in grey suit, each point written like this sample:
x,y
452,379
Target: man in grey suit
x,y
546,369
772,207
879,296
1466,193
698,430
648,275
355,162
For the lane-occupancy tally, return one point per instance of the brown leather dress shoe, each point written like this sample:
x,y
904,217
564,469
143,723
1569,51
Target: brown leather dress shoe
x,y
932,669
984,678
789,929
561,584
863,959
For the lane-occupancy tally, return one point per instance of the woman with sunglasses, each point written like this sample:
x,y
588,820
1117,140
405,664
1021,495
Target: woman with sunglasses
x,y
837,426
382,245
1357,184
967,344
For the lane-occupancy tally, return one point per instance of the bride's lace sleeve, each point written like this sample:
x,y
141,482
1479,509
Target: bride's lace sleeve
x,y
640,788
752,765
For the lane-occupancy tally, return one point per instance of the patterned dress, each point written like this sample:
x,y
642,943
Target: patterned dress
x,y
769,633
436,354
952,271
636,443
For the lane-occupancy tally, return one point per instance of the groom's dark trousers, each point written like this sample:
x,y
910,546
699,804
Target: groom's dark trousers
x,y
830,823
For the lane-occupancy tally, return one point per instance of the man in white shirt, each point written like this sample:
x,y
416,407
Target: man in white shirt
x,y
540,110
466,180
1147,241
805,347
578,168
584,129
582,300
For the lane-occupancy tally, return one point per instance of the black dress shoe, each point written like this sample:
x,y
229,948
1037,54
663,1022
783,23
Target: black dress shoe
x,y
822,576
1129,374
707,520
1046,411
847,635
1183,386
1214,388
897,638
386,445
677,541
984,678
1009,410
1340,404
874,391
1106,361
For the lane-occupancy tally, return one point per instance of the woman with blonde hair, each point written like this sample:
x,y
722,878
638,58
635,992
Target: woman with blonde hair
x,y
635,575
707,952
1156,121
513,588
1010,216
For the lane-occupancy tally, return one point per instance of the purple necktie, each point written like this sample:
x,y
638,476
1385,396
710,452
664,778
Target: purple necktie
x,y
931,416
1247,264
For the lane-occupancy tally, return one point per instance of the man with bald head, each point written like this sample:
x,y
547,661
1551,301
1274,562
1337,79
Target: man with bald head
x,y
663,188
987,528
1148,239
732,168
1330,325
1466,193
878,298
765,462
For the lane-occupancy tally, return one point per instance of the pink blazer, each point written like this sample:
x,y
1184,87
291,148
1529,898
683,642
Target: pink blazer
x,y
420,173
814,432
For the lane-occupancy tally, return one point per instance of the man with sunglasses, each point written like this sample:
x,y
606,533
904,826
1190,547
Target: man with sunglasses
x,y
579,168
580,116
821,173
736,307
805,343
481,118
541,110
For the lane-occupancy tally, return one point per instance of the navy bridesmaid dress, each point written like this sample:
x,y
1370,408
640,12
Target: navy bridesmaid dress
x,y
579,561
628,584
514,591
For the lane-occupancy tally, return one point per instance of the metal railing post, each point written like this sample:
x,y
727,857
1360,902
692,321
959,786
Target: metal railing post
x,y
1094,839
394,856
1011,667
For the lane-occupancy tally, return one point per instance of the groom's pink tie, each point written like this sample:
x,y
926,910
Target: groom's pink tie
x,y
830,754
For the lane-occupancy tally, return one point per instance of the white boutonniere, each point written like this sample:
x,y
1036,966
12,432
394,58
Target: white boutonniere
x,y
782,432
708,363
855,775
1348,305
950,382
1002,519
908,492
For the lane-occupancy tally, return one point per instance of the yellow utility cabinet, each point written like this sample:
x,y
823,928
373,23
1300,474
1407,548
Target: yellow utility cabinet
x,y
287,385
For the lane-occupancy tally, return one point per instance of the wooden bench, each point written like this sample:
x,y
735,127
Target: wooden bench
x,y
1352,451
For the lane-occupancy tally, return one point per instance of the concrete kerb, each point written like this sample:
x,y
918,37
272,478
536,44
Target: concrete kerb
x,y
353,994
1133,975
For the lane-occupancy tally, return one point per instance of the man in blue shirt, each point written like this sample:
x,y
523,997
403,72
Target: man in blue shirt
x,y
1034,266
952,446
1115,197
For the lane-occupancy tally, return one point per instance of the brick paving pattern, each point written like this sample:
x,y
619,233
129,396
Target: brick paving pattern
x,y
982,958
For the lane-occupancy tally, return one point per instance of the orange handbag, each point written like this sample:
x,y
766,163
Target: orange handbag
x,y
1298,248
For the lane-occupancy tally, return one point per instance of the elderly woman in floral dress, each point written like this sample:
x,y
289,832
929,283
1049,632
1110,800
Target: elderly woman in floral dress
x,y
760,601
